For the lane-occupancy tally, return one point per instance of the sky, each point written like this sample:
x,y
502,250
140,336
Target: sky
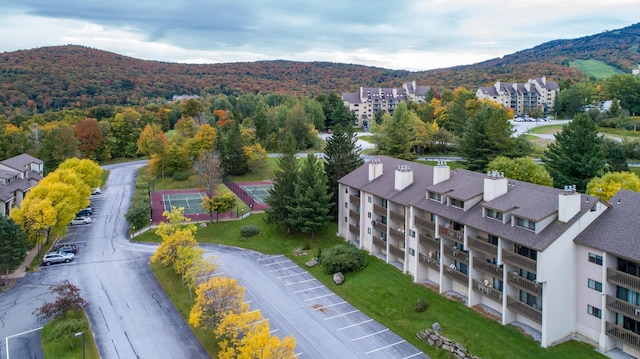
x,y
412,35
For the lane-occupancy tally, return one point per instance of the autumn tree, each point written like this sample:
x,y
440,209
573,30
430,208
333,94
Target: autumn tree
x,y
13,242
187,257
148,137
341,156
205,138
89,136
608,185
215,299
522,169
87,170
175,234
208,167
59,143
67,298
281,194
124,132
218,204
256,156
200,271
176,159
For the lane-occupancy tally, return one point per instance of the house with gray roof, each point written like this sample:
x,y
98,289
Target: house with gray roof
x,y
538,93
369,101
17,175
516,250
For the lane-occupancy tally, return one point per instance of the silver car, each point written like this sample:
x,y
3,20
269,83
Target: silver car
x,y
57,257
81,220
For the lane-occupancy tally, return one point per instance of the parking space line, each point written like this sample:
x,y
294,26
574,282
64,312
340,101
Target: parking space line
x,y
312,288
414,355
270,264
269,257
279,269
318,297
329,305
385,347
273,331
341,315
291,275
355,325
370,335
302,281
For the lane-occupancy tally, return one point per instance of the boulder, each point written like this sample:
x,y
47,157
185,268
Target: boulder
x,y
312,263
338,278
436,326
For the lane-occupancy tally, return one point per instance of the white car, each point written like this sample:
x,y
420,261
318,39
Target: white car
x,y
96,190
80,220
57,257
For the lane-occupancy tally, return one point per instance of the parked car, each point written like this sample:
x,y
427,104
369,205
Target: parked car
x,y
81,220
85,212
96,190
67,248
57,257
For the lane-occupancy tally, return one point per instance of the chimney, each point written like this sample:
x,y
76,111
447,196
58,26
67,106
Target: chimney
x,y
495,185
375,169
497,86
568,204
404,177
441,172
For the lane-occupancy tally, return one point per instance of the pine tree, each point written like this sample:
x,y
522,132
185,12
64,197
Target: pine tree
x,y
310,204
341,157
14,246
281,194
234,161
577,154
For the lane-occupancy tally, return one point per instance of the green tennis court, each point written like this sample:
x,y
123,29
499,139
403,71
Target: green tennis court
x,y
192,202
259,193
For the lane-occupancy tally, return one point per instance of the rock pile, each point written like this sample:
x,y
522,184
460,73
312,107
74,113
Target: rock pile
x,y
433,338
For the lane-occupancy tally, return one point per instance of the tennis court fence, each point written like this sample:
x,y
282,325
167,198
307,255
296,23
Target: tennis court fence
x,y
235,188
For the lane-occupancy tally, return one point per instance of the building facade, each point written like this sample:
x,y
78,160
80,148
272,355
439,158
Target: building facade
x,y
17,175
508,248
538,93
370,101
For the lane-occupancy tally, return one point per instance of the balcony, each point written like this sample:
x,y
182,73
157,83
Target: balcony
x,y
379,226
489,268
487,290
456,275
353,229
396,216
398,252
622,307
354,200
431,262
519,261
525,309
526,284
482,245
379,210
452,234
623,279
456,254
378,242
354,215
396,234
625,335
425,224
429,241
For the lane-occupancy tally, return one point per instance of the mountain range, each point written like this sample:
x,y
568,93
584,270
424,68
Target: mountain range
x,y
75,76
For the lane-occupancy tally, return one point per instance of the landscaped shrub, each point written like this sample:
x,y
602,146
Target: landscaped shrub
x,y
342,258
421,305
181,176
249,231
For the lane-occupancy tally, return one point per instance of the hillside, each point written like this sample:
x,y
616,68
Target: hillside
x,y
76,76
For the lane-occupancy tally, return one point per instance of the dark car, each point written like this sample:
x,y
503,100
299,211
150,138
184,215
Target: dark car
x,y
85,212
67,248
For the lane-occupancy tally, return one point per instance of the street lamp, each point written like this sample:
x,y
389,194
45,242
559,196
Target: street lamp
x,y
81,334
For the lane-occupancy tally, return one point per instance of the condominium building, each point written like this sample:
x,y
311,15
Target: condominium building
x,y
538,93
516,250
369,101
17,175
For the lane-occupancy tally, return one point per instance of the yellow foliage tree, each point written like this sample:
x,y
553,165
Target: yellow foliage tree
x,y
147,138
246,335
218,204
608,185
205,138
215,299
37,217
88,171
175,235
256,157
186,257
202,268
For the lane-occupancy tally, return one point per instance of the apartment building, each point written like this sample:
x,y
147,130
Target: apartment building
x,y
369,101
17,175
538,93
516,250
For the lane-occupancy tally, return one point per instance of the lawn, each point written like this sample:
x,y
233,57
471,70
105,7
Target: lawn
x,y
598,69
387,295
62,348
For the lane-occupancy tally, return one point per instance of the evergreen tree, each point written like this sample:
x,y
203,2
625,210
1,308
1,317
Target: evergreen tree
x,y
282,193
234,160
397,133
615,155
310,205
577,154
341,156
14,246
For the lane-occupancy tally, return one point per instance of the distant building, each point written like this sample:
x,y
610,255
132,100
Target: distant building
x,y
636,71
371,100
524,97
17,175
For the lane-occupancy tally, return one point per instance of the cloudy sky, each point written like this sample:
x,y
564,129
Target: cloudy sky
x,y
398,34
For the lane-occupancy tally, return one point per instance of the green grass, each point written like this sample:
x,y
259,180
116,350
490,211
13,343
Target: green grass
x,y
594,68
62,348
618,132
368,138
264,173
387,295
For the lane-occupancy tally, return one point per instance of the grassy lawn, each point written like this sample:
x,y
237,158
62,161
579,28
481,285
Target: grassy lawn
x,y
598,69
621,133
264,173
387,295
62,348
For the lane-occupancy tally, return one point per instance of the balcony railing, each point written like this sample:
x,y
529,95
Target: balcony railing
x,y
398,252
353,229
424,223
456,275
525,309
378,242
379,210
519,261
622,307
487,290
481,244
623,279
524,283
431,262
396,234
396,216
354,215
489,268
625,335
452,234
354,200
429,241
456,254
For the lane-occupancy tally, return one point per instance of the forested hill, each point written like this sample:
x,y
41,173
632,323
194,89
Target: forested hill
x,y
76,76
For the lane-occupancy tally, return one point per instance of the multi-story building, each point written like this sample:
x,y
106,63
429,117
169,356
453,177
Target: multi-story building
x,y
516,250
371,100
17,175
538,93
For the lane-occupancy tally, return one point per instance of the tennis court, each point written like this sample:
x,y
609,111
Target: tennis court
x,y
192,202
259,192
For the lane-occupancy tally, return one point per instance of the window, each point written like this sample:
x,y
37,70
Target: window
x,y
530,299
383,220
596,312
384,203
525,223
369,230
412,233
369,199
628,295
498,284
346,190
492,239
435,196
595,285
346,205
368,214
346,220
462,267
495,214
457,203
412,251
594,258
433,217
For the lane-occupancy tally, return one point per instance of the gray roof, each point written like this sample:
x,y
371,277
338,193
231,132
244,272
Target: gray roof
x,y
617,231
526,200
6,174
7,191
352,97
20,162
